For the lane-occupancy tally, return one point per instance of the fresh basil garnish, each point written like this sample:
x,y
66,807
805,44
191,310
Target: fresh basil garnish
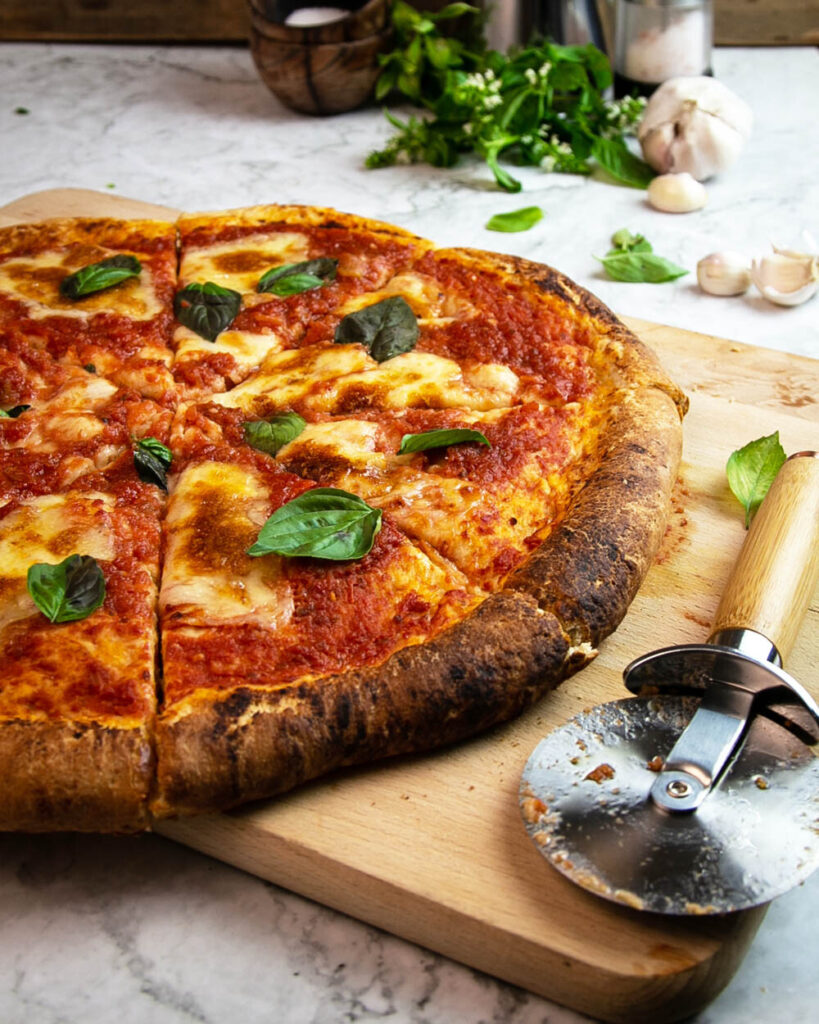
x,y
68,591
152,460
12,414
271,435
440,439
90,368
386,329
633,260
322,523
515,220
294,278
614,156
752,469
96,277
207,309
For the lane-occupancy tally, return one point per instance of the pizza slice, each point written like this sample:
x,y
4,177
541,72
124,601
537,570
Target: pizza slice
x,y
258,281
78,579
258,647
91,293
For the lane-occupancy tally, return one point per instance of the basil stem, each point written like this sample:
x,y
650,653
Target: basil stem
x,y
96,277
294,278
440,439
207,309
68,591
152,460
323,523
386,329
270,435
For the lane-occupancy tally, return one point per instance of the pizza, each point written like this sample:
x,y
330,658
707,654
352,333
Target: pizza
x,y
284,490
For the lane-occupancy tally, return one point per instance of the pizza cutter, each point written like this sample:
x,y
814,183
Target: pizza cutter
x,y
701,795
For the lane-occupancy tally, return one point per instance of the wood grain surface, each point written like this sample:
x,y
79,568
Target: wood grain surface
x,y
433,849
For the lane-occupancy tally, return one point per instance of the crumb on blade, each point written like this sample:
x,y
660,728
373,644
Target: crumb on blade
x,y
601,772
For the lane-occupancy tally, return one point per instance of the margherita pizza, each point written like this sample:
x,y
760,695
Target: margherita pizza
x,y
283,490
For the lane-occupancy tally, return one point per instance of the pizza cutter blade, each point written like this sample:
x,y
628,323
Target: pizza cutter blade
x,y
701,796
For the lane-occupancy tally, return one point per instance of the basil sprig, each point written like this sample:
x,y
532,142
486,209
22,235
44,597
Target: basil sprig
x,y
323,523
752,469
270,435
515,220
386,329
632,259
440,439
294,278
68,591
96,277
207,309
152,460
12,414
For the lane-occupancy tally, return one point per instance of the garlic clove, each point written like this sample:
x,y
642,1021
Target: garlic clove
x,y
676,193
694,124
786,278
724,273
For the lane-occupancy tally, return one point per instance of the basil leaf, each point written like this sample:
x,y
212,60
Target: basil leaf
x,y
12,414
270,435
323,523
643,267
152,460
293,278
440,439
386,329
90,368
515,220
614,156
207,309
751,471
96,277
68,591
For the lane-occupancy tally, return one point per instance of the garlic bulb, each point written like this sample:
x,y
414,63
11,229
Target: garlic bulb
x,y
724,273
694,124
787,278
676,193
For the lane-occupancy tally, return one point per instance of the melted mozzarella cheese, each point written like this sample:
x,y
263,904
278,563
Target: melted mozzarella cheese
x,y
49,529
239,263
412,380
424,295
248,350
35,282
214,514
287,376
69,416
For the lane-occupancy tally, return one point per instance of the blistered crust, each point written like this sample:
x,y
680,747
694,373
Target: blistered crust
x,y
592,565
64,231
484,670
82,778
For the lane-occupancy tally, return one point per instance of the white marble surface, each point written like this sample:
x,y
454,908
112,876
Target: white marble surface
x,y
97,929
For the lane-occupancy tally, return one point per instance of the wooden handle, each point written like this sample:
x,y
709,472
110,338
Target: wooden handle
x,y
775,575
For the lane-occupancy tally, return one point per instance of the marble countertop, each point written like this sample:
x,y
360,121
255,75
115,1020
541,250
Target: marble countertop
x,y
100,929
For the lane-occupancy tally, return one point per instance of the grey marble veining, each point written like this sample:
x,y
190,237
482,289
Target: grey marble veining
x,y
128,931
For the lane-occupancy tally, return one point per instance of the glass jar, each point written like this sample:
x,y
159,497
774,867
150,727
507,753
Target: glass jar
x,y
655,40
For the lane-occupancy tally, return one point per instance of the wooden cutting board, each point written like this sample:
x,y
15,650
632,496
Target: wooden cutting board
x,y
433,849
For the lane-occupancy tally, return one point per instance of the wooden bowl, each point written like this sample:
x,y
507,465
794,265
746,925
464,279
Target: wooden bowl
x,y
313,76
365,18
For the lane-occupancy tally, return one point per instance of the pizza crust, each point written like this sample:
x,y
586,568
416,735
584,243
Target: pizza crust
x,y
83,778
